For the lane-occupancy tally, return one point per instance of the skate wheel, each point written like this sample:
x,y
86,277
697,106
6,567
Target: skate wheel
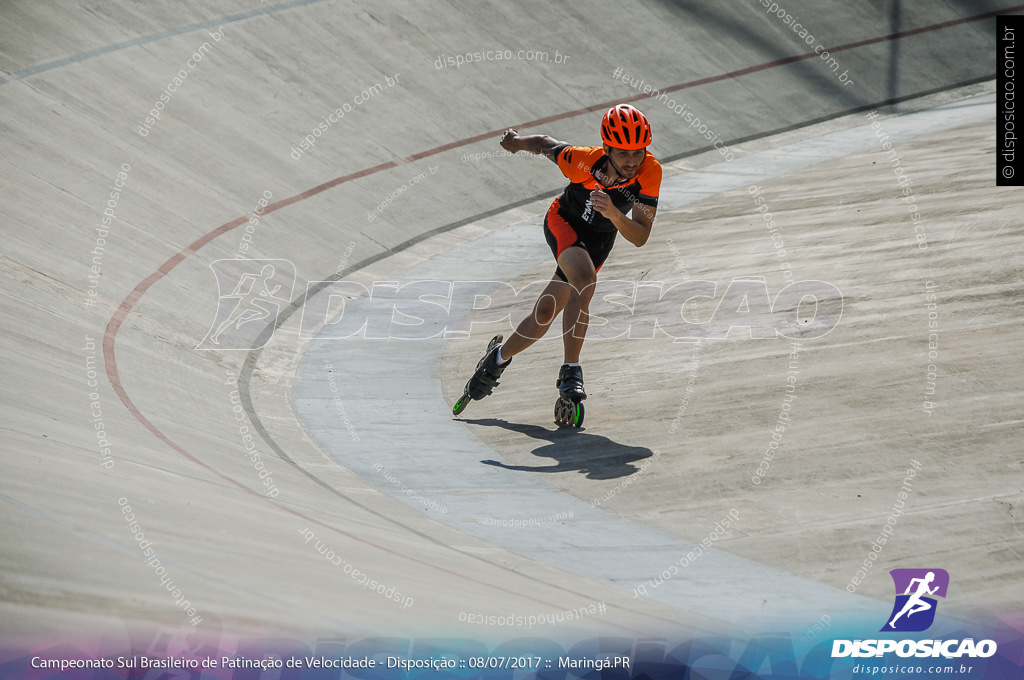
x,y
461,404
578,412
561,417
568,413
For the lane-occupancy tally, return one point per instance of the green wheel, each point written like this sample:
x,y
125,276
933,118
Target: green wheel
x,y
578,412
461,404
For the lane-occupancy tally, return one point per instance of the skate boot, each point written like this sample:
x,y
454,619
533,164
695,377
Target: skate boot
x,y
485,379
569,409
570,383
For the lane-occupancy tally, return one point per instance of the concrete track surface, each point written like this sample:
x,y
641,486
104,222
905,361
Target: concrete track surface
x,y
372,157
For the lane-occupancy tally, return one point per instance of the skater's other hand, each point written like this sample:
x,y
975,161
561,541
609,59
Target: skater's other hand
x,y
509,139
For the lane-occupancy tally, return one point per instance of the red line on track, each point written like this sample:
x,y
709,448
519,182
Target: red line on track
x,y
126,306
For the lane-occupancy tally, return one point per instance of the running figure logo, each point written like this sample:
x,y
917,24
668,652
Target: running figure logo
x,y
914,611
251,295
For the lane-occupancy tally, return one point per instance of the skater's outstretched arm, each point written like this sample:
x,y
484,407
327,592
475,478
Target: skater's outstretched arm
x,y
512,141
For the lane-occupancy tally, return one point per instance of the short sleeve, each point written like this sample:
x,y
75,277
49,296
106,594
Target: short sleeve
x,y
650,181
575,162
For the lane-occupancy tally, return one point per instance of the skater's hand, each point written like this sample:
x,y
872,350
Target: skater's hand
x,y
602,203
509,140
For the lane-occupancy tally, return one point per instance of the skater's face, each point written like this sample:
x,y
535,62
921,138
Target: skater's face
x,y
626,162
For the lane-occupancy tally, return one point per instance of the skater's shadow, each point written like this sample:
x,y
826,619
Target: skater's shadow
x,y
573,450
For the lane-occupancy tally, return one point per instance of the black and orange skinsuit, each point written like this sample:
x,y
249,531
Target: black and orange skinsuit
x,y
572,221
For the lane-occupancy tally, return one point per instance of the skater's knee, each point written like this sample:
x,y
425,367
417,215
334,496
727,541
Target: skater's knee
x,y
584,290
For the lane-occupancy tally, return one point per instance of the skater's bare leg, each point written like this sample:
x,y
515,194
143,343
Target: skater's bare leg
x,y
579,269
573,297
531,329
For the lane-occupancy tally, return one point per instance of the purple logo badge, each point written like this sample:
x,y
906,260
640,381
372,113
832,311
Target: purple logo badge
x,y
914,609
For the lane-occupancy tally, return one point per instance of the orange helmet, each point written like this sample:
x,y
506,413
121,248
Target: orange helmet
x,y
624,127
